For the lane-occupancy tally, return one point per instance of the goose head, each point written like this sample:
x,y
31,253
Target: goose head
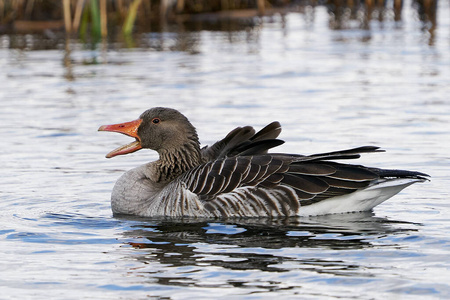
x,y
160,129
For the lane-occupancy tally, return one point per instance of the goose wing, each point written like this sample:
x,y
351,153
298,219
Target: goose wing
x,y
313,178
244,141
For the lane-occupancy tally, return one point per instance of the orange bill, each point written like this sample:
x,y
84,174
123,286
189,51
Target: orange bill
x,y
127,128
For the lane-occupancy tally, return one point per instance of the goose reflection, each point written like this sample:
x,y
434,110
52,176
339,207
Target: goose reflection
x,y
267,245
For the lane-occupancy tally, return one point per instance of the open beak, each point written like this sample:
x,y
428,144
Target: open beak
x,y
127,128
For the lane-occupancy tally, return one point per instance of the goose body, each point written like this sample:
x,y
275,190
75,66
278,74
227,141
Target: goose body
x,y
237,177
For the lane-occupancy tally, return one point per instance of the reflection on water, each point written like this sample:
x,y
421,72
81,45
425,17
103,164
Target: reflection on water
x,y
344,15
184,35
188,36
273,234
195,257
253,244
333,81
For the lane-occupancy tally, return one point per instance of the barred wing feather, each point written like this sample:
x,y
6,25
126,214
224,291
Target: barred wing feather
x,y
313,178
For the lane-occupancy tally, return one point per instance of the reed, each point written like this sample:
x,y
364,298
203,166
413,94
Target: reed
x,y
131,17
67,16
103,19
95,18
77,16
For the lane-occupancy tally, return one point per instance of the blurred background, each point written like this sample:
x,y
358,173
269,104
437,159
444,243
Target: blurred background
x,y
336,74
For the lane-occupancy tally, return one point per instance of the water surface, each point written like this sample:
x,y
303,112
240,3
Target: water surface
x,y
385,85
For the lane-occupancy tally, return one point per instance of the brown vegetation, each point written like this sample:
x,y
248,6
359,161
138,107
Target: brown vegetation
x,y
75,16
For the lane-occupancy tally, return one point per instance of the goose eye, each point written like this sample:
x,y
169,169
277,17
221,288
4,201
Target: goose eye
x,y
156,120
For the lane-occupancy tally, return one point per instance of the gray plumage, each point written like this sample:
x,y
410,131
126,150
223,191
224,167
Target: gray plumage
x,y
237,177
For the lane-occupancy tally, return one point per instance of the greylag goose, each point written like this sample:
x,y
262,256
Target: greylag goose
x,y
237,177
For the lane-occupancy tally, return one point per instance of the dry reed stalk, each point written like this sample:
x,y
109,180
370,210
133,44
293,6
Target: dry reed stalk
x,y
67,16
77,17
164,5
103,18
2,10
261,7
180,6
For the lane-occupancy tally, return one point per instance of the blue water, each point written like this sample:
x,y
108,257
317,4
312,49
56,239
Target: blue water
x,y
330,89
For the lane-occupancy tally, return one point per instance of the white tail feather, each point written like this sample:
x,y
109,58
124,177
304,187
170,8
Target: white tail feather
x,y
361,200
